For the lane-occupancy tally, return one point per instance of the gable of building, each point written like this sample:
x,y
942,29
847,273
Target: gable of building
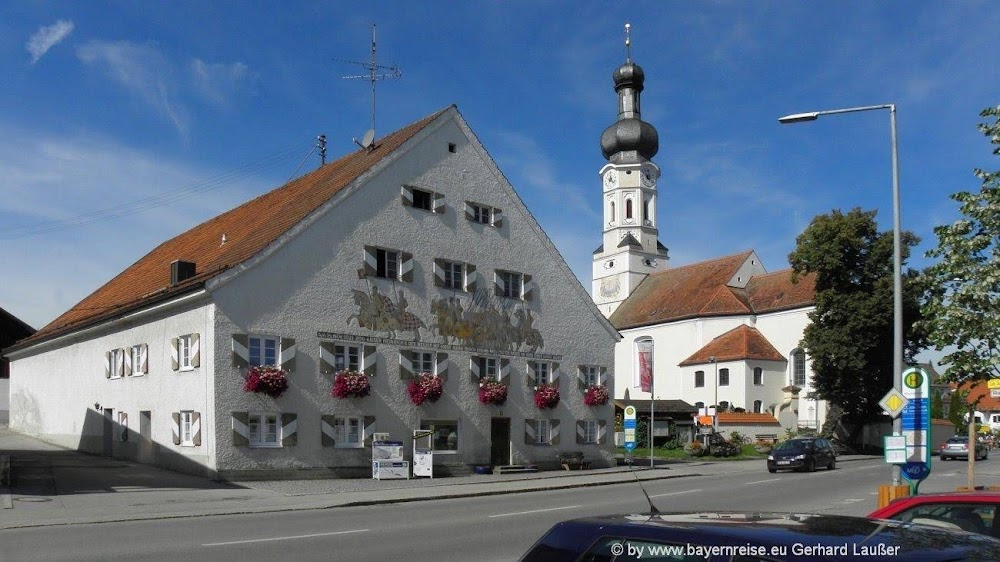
x,y
742,343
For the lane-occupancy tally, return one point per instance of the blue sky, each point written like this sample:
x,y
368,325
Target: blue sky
x,y
199,106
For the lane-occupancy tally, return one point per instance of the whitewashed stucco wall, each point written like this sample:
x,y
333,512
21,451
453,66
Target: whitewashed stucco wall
x,y
55,386
306,287
676,341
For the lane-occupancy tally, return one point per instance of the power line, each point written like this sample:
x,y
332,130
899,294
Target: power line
x,y
139,205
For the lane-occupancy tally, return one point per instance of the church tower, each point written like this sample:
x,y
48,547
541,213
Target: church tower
x,y
630,250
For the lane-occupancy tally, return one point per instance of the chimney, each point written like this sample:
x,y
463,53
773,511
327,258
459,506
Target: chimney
x,y
181,271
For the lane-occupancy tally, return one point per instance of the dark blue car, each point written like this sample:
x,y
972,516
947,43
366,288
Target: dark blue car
x,y
753,537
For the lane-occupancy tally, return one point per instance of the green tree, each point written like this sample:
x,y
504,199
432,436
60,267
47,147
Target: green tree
x,y
962,302
957,408
937,406
850,335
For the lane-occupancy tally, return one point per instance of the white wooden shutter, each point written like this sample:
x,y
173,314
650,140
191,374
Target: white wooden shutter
x,y
438,204
288,354
474,369
241,351
602,432
405,364
406,196
441,366
369,360
174,354
498,284
144,358
120,363
497,218
437,268
327,358
128,362
554,374
581,432
176,417
369,423
530,432
528,288
406,266
504,374
196,429
554,432
581,376
107,364
471,277
370,266
602,378
327,425
289,430
195,350
241,429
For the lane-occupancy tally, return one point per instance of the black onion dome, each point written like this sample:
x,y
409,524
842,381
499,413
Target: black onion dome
x,y
629,139
629,75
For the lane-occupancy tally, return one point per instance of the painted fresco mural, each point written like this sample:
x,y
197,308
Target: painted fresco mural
x,y
482,321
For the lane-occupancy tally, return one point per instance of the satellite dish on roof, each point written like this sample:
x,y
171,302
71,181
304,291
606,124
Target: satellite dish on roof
x,y
366,141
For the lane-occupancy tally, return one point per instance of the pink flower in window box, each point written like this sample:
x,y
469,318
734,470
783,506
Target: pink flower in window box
x,y
546,396
596,395
265,379
350,384
426,387
492,392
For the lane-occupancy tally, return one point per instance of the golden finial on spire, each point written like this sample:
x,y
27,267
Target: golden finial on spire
x,y
628,42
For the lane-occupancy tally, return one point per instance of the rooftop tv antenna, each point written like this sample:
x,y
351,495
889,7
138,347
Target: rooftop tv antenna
x,y
375,73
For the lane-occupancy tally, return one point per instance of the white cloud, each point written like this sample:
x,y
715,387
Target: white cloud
x,y
48,177
46,38
143,70
217,82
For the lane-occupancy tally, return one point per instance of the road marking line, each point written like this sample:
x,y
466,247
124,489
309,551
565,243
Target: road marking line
x,y
674,493
763,481
287,538
534,511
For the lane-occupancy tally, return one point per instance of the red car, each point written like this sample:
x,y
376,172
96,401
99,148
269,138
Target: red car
x,y
978,512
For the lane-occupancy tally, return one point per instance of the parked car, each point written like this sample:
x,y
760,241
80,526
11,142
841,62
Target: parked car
x,y
957,447
775,537
970,511
804,453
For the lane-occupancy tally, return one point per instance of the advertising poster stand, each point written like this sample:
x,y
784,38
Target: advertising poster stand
x,y
423,453
387,459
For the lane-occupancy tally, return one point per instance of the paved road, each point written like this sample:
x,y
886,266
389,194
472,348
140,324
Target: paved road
x,y
476,528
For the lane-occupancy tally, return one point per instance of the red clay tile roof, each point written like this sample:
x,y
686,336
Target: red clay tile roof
x,y
747,418
982,393
248,228
700,289
742,342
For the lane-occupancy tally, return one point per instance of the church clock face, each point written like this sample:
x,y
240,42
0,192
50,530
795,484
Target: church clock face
x,y
610,287
611,179
647,176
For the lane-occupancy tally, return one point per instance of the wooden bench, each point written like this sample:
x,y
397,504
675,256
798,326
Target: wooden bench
x,y
572,460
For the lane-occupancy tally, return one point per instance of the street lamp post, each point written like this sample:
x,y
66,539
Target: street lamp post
x,y
897,256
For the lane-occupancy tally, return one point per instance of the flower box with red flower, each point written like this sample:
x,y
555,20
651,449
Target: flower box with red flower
x,y
426,387
347,384
265,379
596,395
492,392
546,396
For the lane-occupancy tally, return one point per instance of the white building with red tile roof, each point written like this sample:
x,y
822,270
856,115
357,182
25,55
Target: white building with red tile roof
x,y
414,255
723,331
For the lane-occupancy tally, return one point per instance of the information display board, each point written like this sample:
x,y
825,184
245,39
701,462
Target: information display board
x,y
387,460
423,453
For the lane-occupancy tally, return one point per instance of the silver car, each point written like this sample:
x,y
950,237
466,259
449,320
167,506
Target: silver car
x,y
957,447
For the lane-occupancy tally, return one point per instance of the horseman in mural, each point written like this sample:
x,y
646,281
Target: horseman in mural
x,y
377,312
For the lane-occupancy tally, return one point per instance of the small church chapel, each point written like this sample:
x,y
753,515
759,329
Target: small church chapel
x,y
722,332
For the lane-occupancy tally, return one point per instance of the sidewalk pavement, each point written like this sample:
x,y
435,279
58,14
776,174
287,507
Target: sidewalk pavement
x,y
50,485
